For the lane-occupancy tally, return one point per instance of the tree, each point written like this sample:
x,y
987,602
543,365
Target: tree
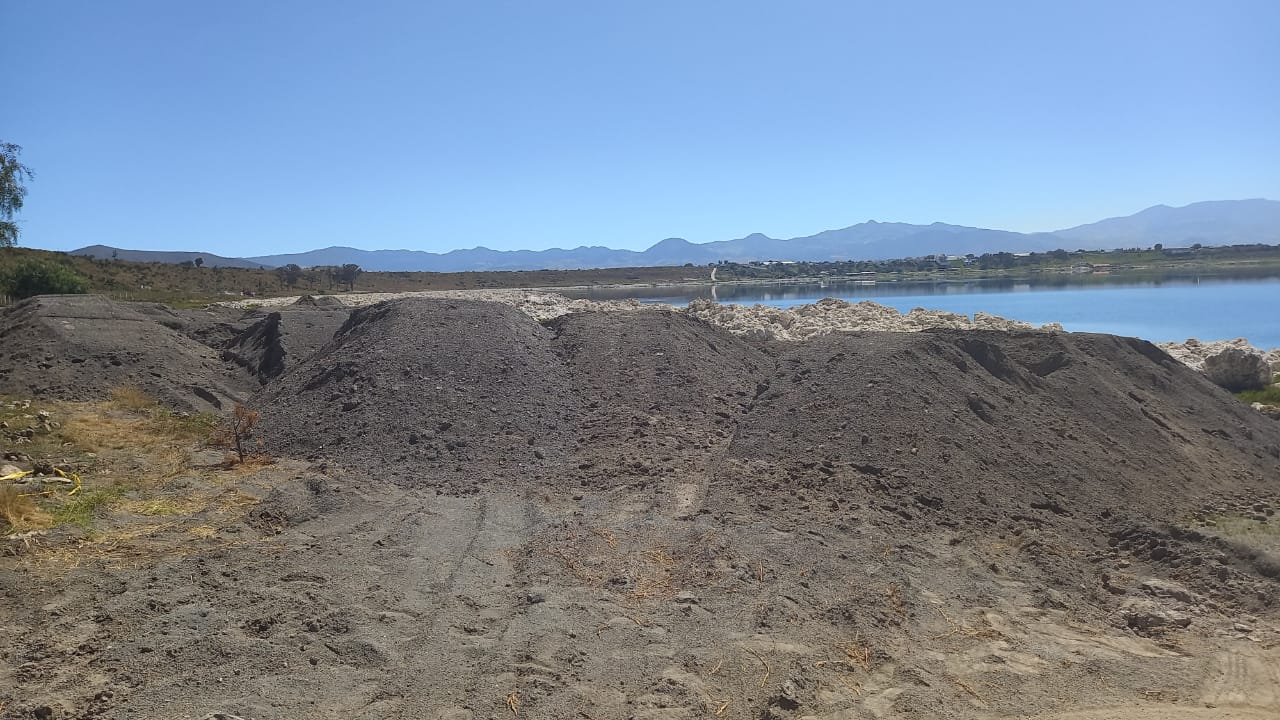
x,y
12,190
348,274
289,274
37,277
199,261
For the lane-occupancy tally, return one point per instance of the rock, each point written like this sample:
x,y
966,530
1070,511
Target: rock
x,y
1271,411
1237,369
1147,617
685,597
1241,627
1171,590
7,470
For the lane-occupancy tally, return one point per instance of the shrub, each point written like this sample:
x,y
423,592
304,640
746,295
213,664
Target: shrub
x,y
237,429
37,277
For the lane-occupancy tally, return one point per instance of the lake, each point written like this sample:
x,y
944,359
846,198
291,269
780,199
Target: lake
x,y
1162,309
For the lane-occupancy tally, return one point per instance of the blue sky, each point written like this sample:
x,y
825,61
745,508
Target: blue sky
x,y
244,127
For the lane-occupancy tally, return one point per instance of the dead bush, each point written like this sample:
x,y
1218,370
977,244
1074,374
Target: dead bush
x,y
18,511
237,431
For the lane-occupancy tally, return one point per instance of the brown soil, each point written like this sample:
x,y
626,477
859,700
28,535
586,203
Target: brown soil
x,y
640,515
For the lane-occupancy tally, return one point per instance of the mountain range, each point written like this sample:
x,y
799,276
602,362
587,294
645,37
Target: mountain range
x,y
1221,222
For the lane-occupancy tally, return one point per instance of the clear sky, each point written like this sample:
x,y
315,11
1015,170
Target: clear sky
x,y
244,127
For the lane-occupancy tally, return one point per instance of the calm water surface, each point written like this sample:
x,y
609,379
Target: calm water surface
x,y
1160,310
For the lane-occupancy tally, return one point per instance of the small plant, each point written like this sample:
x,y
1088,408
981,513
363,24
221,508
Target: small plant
x,y
195,426
238,429
83,508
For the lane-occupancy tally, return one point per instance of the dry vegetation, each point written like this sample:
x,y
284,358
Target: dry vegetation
x,y
165,282
140,469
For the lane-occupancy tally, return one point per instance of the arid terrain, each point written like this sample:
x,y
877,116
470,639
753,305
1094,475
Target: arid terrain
x,y
463,508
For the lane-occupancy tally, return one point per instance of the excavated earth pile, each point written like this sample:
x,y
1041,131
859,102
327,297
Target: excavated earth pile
x,y
638,514
83,346
276,341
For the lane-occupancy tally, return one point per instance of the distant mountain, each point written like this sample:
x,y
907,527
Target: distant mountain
x,y
866,241
1227,222
106,252
1220,222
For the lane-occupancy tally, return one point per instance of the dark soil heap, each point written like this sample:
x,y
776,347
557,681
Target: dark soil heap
x,y
81,347
280,340
454,394
431,392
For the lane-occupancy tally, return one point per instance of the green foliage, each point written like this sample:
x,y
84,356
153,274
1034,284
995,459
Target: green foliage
x,y
1267,396
37,277
289,274
348,274
13,175
83,508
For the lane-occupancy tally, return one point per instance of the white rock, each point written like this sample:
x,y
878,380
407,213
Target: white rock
x,y
1238,369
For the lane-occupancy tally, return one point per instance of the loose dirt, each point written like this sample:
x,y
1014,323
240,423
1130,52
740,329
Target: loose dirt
x,y
641,514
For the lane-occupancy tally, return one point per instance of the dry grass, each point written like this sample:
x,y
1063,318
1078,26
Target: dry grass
x,y
893,594
19,512
131,397
163,506
248,465
653,574
857,654
129,451
764,679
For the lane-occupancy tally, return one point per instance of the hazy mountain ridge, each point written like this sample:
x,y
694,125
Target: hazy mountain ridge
x,y
106,252
1224,222
1220,222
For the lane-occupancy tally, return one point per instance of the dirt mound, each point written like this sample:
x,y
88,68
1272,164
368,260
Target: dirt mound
x,y
659,394
279,340
323,301
458,394
84,346
457,391
1072,435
